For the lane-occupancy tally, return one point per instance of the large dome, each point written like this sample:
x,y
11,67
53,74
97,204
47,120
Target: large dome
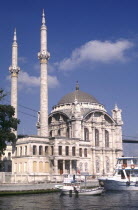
x,y
79,95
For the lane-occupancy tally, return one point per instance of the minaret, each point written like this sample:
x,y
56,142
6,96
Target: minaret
x,y
43,56
14,70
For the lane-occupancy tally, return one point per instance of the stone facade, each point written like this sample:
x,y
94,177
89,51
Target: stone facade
x,y
83,139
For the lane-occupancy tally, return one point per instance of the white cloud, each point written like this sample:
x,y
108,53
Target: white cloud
x,y
22,59
27,81
96,51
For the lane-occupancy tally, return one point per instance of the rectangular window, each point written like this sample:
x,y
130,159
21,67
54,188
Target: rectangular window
x,y
80,152
20,151
40,150
34,149
52,150
60,150
46,150
67,150
25,150
9,156
73,151
16,151
85,152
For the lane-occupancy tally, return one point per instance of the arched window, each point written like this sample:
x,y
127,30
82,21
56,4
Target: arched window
x,y
107,165
80,152
97,165
16,151
67,150
40,150
86,134
34,149
67,132
25,152
20,151
85,152
73,151
106,138
9,156
96,138
46,150
60,150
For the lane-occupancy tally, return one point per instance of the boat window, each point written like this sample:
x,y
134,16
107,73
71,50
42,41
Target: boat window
x,y
134,173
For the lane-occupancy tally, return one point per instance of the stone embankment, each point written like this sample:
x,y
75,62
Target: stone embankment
x,y
10,189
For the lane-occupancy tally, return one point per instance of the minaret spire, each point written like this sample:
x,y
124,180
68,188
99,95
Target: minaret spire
x,y
43,18
14,70
43,56
15,37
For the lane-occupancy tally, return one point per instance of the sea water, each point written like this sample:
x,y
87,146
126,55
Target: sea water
x,y
108,200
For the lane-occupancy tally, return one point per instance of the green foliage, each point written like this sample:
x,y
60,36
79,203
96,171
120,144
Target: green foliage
x,y
7,124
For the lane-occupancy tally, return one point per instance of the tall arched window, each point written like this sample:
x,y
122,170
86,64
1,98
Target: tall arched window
x,y
85,152
106,138
86,134
40,150
34,150
96,138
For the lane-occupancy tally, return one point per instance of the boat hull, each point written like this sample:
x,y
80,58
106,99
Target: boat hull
x,y
118,185
95,191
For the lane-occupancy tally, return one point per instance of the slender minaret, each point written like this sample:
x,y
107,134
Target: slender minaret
x,y
43,56
14,70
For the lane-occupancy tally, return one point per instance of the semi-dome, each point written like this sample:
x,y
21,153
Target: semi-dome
x,y
79,95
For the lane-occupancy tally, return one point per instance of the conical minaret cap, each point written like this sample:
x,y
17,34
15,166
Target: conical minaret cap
x,y
15,37
43,17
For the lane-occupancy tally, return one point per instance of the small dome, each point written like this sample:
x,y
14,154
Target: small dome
x,y
79,95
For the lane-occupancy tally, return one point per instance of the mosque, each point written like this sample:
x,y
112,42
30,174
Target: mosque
x,y
77,137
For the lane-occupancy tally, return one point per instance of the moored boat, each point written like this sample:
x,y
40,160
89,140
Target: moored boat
x,y
71,186
125,176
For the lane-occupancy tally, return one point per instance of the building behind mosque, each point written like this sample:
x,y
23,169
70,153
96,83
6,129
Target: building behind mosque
x,y
77,137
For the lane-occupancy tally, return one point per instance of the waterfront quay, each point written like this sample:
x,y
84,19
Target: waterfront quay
x,y
15,188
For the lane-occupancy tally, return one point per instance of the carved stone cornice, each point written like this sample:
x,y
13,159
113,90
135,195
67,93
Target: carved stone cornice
x,y
14,70
43,57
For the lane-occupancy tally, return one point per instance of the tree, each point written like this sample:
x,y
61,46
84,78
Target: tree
x,y
7,124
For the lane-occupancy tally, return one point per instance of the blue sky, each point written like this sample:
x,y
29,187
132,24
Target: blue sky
x,y
92,41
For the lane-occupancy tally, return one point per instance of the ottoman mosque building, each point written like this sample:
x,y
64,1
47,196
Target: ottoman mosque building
x,y
77,137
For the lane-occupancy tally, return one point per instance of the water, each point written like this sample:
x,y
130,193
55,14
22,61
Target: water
x,y
109,200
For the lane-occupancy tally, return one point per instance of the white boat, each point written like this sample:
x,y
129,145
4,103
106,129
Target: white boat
x,y
71,186
125,176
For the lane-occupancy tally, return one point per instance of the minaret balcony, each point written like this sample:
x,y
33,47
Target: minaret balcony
x,y
14,69
43,55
